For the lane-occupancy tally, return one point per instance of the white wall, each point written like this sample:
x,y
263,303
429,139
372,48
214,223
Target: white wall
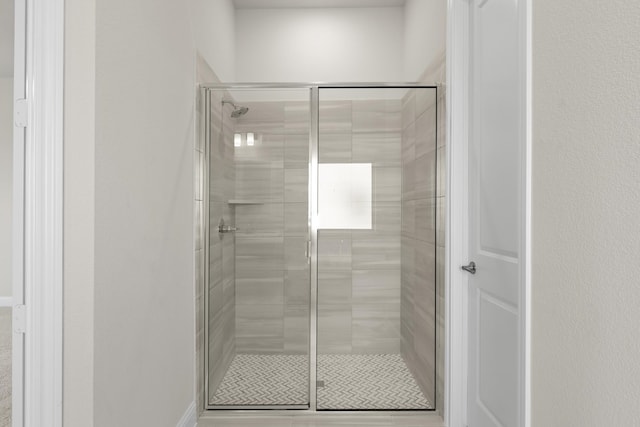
x,y
6,37
129,120
144,336
79,212
6,180
586,207
425,34
213,27
335,45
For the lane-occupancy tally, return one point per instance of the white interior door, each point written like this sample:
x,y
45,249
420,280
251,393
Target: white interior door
x,y
497,160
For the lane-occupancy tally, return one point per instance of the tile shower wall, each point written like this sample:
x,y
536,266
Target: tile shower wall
x,y
359,270
271,188
203,74
419,211
437,73
222,247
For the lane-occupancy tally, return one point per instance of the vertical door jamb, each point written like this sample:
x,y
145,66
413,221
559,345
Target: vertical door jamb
x,y
38,234
19,136
456,234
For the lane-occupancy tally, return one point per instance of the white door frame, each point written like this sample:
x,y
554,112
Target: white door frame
x,y
455,409
38,214
17,206
457,233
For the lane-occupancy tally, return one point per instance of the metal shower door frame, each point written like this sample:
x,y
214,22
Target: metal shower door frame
x,y
314,100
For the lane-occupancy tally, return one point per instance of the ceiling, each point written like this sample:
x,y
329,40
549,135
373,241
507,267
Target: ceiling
x,y
282,4
6,18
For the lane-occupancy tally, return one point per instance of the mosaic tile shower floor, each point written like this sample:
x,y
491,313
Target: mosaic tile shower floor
x,y
351,382
260,379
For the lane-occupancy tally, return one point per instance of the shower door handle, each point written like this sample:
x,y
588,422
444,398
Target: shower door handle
x,y
223,228
471,268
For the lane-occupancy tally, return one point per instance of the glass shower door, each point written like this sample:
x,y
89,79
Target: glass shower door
x,y
376,249
257,282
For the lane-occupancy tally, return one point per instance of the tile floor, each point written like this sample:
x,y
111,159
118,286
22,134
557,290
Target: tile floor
x,y
351,382
264,379
368,382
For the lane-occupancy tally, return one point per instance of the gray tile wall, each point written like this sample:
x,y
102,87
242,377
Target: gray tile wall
x,y
420,208
204,74
222,247
221,276
359,270
272,273
437,73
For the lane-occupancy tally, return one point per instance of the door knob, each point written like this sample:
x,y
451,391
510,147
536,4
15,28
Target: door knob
x,y
471,268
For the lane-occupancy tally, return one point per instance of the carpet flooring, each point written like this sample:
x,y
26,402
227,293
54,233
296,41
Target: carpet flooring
x,y
5,367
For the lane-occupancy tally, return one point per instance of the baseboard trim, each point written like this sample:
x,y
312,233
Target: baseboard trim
x,y
190,417
6,301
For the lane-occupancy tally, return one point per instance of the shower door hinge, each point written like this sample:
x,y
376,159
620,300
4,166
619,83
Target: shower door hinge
x,y
19,319
20,113
308,250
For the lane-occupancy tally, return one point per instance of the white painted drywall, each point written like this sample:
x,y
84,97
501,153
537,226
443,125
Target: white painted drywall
x,y
213,27
79,212
586,213
6,180
6,37
144,337
425,34
332,45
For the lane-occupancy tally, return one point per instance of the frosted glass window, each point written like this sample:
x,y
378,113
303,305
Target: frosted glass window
x,y
344,195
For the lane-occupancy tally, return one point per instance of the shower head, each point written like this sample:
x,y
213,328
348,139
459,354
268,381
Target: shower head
x,y
237,110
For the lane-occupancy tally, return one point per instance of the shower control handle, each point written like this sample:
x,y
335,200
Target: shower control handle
x,y
471,268
226,229
223,228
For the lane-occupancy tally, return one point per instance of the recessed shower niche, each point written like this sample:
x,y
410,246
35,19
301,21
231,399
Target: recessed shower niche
x,y
321,247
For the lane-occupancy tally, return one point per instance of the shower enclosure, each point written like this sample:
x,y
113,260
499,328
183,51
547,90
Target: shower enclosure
x,y
320,273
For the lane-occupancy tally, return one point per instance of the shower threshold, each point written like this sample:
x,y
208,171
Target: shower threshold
x,y
312,418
